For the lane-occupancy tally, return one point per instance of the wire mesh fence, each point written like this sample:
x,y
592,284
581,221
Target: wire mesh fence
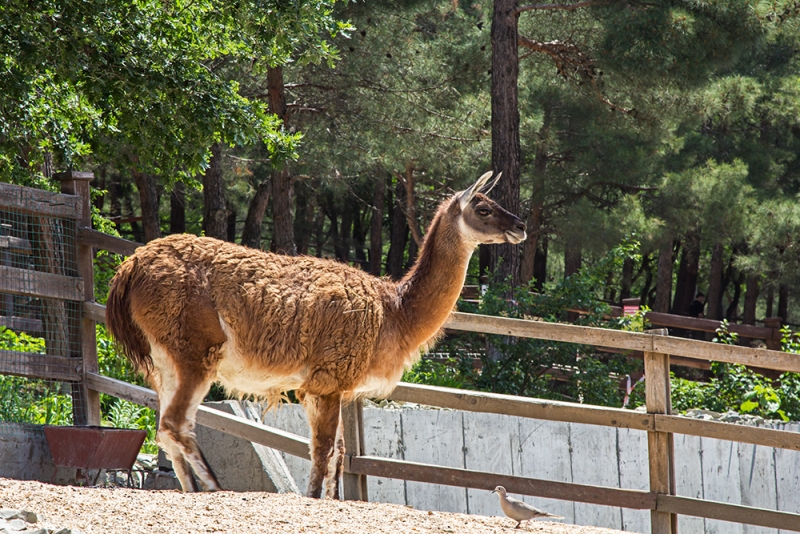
x,y
40,294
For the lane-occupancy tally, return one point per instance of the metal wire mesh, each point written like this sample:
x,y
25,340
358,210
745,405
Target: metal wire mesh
x,y
40,346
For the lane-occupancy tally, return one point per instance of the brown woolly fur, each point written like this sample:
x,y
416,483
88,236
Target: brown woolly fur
x,y
189,311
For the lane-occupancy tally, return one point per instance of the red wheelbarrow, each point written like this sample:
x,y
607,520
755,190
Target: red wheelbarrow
x,y
94,447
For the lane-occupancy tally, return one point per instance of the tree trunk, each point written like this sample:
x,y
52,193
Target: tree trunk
x,y
359,239
783,302
664,277
714,297
750,299
376,225
686,285
283,235
732,313
230,234
536,210
572,259
115,194
504,259
540,264
645,297
136,229
177,209
319,233
304,215
215,209
770,301
398,236
251,233
148,199
626,280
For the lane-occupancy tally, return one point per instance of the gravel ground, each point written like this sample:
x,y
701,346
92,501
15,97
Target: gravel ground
x,y
111,510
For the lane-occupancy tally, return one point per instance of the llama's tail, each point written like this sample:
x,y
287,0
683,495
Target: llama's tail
x,y
119,320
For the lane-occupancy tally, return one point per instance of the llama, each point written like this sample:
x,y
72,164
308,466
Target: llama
x,y
189,311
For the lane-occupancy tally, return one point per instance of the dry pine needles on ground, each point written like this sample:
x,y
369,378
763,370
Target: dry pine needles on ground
x,y
111,510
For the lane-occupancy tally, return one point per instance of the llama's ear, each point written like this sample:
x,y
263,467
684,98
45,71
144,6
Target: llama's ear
x,y
465,196
486,190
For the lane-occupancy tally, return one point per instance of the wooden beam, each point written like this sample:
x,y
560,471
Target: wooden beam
x,y
766,437
478,401
728,512
39,202
660,452
42,366
586,335
38,284
111,243
354,487
209,417
706,325
16,245
23,324
123,390
254,432
464,478
94,311
583,335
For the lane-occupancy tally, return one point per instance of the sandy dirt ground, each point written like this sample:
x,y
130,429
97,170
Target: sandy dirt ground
x,y
111,510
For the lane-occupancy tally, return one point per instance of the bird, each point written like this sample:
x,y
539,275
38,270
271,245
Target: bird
x,y
518,510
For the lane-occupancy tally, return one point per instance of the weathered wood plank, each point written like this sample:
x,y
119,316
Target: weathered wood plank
x,y
111,243
255,432
383,437
721,482
475,401
16,245
583,335
354,487
594,461
38,284
542,449
703,350
434,436
123,390
489,445
757,477
660,454
706,325
452,476
24,324
731,514
689,348
39,202
236,426
42,366
94,311
728,431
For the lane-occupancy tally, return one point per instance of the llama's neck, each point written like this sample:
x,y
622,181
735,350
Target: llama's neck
x,y
428,293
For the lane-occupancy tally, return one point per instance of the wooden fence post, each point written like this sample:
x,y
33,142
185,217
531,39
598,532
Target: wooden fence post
x,y
660,445
354,487
85,402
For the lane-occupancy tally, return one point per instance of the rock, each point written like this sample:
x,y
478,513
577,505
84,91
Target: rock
x,y
28,517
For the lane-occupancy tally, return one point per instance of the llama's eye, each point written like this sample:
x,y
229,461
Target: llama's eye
x,y
484,212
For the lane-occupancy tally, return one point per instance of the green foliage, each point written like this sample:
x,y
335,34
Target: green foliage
x,y
24,400
735,387
124,414
145,83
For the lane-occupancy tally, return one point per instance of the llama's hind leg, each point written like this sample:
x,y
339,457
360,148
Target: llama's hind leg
x,y
180,393
324,419
336,463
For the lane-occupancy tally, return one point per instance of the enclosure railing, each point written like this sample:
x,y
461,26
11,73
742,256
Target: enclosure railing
x,y
658,421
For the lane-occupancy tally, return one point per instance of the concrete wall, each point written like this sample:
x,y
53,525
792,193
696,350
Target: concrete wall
x,y
24,455
735,473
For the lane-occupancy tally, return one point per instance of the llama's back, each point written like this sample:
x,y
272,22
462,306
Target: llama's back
x,y
316,321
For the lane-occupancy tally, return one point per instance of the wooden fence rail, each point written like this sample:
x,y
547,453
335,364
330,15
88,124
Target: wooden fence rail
x,y
658,422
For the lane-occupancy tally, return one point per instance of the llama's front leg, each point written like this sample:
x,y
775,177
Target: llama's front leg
x,y
323,418
336,463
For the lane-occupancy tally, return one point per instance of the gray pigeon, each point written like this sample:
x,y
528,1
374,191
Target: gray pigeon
x,y
518,510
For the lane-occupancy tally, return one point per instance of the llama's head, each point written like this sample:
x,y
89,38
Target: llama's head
x,y
484,221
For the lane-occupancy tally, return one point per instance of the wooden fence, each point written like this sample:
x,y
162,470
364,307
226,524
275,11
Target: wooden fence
x,y
659,423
